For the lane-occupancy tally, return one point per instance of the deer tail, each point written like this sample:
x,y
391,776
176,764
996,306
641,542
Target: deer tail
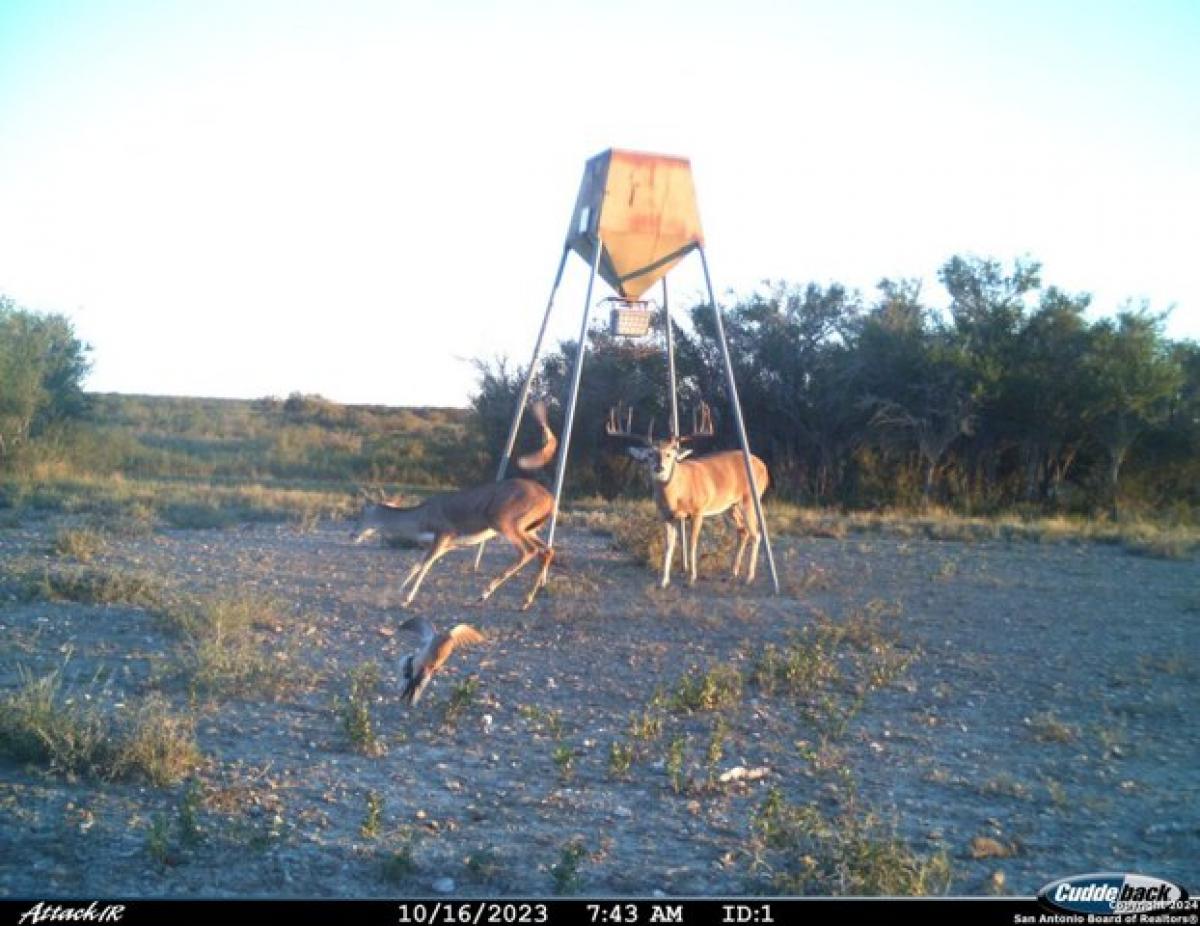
x,y
542,456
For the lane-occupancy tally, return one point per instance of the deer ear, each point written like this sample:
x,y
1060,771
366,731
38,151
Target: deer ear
x,y
684,453
641,454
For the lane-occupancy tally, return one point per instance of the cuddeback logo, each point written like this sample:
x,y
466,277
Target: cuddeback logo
x,y
1111,893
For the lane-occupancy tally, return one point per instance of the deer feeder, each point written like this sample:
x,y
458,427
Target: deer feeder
x,y
635,219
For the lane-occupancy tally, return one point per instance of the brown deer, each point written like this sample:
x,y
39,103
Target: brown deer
x,y
514,508
695,489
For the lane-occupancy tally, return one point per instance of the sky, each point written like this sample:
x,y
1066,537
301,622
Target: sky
x,y
356,198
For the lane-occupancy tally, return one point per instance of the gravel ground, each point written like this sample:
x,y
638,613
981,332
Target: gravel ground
x,y
1047,724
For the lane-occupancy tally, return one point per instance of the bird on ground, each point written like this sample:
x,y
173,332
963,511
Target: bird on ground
x,y
418,667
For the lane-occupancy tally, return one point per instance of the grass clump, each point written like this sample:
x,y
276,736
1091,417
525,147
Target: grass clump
x,y
39,724
220,654
43,724
158,744
850,854
79,543
1046,728
94,586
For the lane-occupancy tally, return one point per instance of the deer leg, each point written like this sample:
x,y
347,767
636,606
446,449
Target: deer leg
x,y
683,542
739,522
526,550
547,556
755,536
442,545
697,522
668,553
412,573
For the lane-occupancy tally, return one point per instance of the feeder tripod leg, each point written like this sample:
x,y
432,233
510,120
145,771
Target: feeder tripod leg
x,y
524,396
564,445
741,425
682,522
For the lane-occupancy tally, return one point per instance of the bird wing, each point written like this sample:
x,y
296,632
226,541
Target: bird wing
x,y
463,634
447,643
422,626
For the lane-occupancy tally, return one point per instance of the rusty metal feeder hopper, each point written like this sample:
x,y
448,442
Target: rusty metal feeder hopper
x,y
635,218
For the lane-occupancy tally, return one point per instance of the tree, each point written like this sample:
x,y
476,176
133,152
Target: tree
x,y
42,365
1131,379
1041,400
920,388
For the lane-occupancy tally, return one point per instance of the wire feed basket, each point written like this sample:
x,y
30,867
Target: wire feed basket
x,y
629,319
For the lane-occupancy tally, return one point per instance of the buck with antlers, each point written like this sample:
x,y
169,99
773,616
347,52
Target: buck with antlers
x,y
514,508
696,489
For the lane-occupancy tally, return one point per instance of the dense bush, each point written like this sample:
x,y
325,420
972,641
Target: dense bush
x,y
1009,395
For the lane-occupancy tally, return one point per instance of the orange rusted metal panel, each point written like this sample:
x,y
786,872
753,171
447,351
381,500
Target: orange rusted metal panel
x,y
643,207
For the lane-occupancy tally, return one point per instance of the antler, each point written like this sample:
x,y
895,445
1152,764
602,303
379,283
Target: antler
x,y
613,426
702,423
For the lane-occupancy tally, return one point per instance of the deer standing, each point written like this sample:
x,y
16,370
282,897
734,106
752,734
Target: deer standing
x,y
695,489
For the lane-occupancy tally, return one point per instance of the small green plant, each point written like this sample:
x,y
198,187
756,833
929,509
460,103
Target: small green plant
x,y
1047,728
544,721
355,712
158,839
676,755
646,726
1005,785
716,743
485,865
462,696
719,688
398,864
799,670
565,873
190,832
620,759
564,761
369,828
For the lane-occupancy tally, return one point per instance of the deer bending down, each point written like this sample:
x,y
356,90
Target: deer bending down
x,y
695,489
514,508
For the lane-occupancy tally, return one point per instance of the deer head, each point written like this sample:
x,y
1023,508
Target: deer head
x,y
659,457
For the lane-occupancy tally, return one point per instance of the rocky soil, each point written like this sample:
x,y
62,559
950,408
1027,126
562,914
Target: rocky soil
x,y
1046,725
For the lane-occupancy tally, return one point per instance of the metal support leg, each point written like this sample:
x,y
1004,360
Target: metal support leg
x,y
741,425
564,444
519,411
